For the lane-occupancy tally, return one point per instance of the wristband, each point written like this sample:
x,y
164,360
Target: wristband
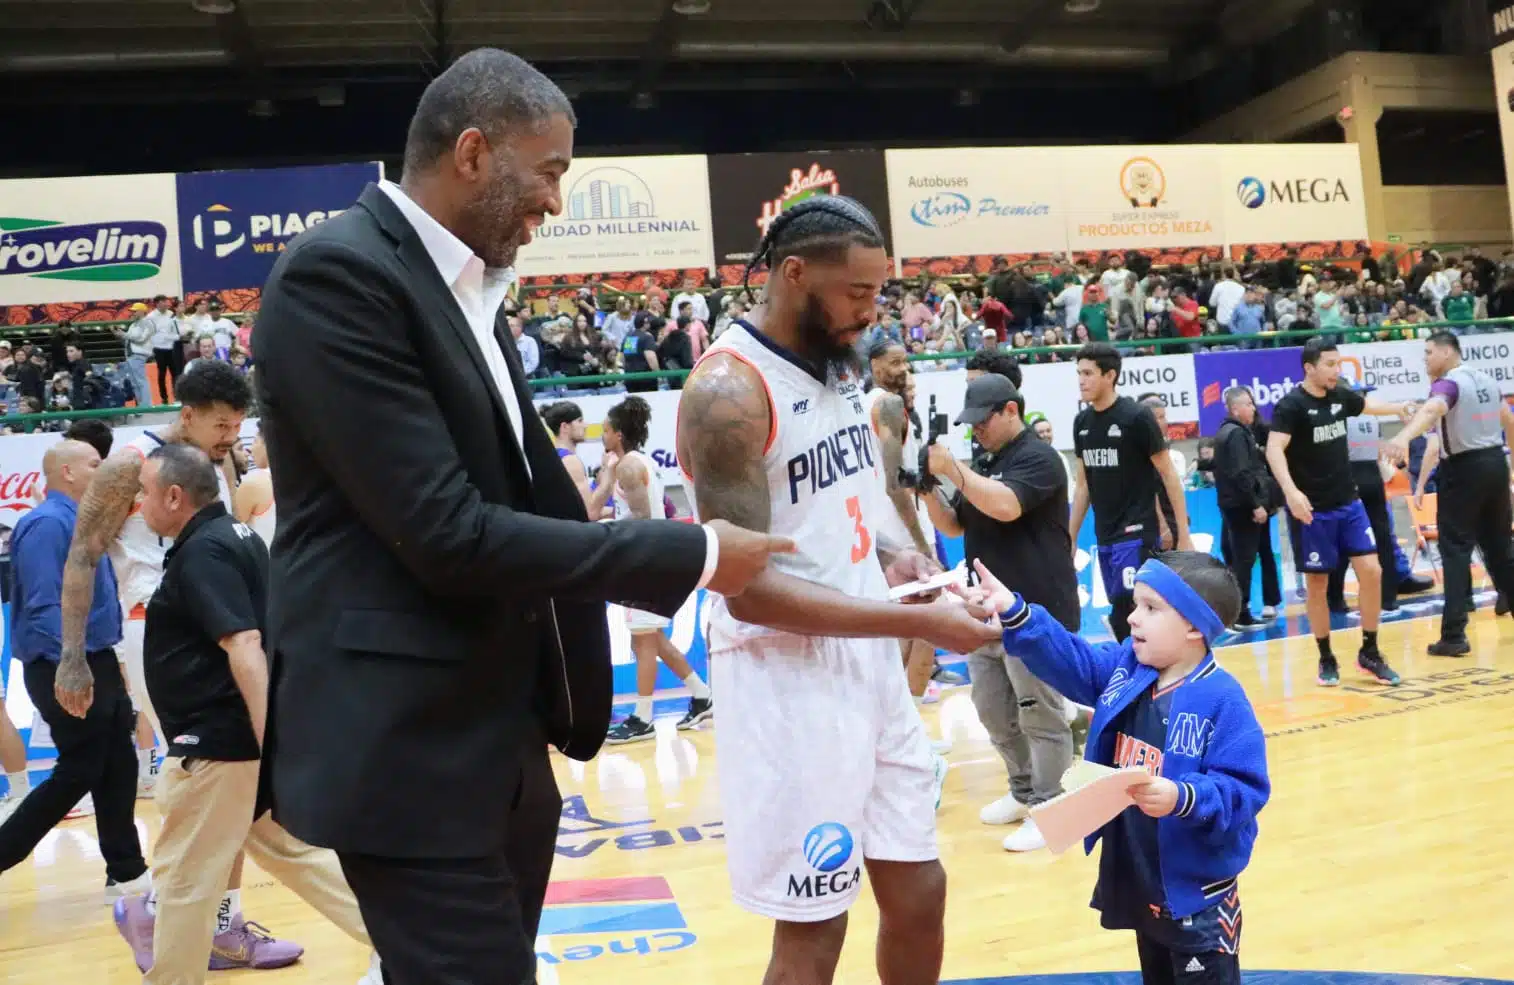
x,y
1014,616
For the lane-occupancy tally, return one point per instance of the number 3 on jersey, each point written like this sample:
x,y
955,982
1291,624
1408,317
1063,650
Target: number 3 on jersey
x,y
863,546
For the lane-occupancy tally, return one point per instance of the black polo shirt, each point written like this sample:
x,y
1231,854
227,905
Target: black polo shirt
x,y
1032,555
215,584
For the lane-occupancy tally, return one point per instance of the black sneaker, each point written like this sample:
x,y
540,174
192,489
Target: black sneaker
x,y
1449,648
630,729
1414,584
1501,607
1373,663
700,710
1246,621
1329,672
947,678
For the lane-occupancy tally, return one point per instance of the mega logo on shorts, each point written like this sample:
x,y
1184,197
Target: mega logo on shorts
x,y
828,849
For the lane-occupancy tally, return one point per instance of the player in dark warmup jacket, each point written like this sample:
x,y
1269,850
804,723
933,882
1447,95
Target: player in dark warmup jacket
x,y
1122,461
1170,863
1310,458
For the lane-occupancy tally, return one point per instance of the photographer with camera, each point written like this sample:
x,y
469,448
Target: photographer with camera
x,y
1011,511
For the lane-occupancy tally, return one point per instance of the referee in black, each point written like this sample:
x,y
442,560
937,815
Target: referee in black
x,y
1472,506
1011,511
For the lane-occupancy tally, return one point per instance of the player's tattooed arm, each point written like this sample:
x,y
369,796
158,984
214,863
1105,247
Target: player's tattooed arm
x,y
892,423
102,511
723,427
632,478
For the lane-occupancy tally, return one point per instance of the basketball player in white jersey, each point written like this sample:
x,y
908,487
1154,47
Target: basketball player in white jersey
x,y
253,502
214,401
824,763
638,495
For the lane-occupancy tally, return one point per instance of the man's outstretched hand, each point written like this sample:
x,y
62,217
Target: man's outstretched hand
x,y
743,555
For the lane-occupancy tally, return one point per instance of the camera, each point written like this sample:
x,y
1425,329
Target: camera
x,y
921,480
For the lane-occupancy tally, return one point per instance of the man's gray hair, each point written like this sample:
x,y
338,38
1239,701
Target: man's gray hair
x,y
487,88
1235,393
190,469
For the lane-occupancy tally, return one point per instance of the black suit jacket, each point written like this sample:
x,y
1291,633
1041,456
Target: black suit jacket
x,y
436,611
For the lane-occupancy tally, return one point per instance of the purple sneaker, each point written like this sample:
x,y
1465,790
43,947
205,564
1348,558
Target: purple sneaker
x,y
135,925
250,945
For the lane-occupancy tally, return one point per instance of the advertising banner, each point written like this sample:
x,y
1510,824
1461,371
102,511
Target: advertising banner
x,y
1270,373
1277,193
972,201
1170,376
234,224
747,191
88,239
1137,197
626,213
1502,14
1395,370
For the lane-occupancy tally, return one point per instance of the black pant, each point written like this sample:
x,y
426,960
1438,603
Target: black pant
x,y
1375,501
170,364
1242,542
96,755
1472,510
1162,966
466,921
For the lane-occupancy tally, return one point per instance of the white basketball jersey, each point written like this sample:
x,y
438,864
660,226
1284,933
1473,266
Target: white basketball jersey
x,y
263,523
137,554
654,490
825,479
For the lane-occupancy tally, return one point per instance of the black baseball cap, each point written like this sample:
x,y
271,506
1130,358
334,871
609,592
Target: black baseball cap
x,y
985,395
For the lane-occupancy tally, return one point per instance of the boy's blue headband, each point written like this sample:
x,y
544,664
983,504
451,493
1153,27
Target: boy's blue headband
x,y
1166,583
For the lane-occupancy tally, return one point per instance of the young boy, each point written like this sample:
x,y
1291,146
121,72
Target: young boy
x,y
1170,863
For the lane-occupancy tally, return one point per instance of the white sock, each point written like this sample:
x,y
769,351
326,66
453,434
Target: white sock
x,y
231,906
145,762
697,687
21,784
644,708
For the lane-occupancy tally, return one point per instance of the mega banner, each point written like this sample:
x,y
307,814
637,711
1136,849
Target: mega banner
x,y
747,191
967,201
234,224
1277,193
626,213
1131,197
88,239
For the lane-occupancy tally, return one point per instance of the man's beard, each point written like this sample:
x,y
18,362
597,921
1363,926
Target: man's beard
x,y
820,347
496,220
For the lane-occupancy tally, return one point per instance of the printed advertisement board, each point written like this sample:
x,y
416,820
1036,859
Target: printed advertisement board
x,y
1134,197
972,201
1289,193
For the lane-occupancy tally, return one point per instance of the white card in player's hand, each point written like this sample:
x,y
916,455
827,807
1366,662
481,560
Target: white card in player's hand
x,y
945,579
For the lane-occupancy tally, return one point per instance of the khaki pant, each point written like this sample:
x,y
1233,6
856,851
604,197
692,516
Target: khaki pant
x,y
207,818
1024,720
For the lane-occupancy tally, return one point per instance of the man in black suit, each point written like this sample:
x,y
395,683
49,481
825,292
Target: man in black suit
x,y
436,612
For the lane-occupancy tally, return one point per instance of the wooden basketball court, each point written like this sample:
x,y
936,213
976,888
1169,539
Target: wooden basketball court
x,y
1380,852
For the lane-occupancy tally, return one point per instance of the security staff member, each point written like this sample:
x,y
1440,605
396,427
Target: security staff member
x,y
1472,508
1246,496
1364,446
207,677
95,754
1011,510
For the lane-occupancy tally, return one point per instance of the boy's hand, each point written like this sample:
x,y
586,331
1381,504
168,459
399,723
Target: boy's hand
x,y
998,599
1156,797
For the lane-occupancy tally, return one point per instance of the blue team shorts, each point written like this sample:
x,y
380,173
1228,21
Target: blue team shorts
x,y
1334,535
1119,562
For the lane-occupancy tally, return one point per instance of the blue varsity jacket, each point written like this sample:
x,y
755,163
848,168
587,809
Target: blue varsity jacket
x,y
1216,752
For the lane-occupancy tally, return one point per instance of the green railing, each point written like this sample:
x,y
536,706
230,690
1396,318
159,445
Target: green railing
x,y
1347,334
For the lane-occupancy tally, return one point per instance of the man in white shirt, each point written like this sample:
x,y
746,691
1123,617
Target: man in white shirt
x,y
530,352
1226,295
164,339
693,297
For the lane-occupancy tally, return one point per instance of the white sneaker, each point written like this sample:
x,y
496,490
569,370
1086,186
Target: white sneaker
x,y
1269,612
375,974
140,886
932,694
8,807
1027,838
84,808
1005,810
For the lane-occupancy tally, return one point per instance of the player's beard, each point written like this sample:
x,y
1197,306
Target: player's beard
x,y
837,358
496,219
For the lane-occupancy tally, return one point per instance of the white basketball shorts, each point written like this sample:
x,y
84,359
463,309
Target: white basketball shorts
x,y
823,762
638,622
133,632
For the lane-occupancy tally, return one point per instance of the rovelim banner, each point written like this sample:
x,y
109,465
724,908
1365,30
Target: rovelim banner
x,y
747,191
234,224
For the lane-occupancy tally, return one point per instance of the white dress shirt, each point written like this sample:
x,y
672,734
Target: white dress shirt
x,y
479,291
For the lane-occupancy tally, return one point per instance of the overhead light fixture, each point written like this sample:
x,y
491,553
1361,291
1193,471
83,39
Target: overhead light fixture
x,y
643,100
217,7
1081,6
263,109
691,8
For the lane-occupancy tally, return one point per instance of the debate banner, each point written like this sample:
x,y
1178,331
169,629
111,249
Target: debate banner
x,y
747,191
1140,197
234,224
975,201
1290,193
88,239
625,213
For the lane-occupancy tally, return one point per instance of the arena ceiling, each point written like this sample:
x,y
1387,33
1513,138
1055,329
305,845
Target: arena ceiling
x,y
278,49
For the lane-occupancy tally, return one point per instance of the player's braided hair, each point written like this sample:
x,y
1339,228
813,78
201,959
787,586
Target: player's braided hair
x,y
823,225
